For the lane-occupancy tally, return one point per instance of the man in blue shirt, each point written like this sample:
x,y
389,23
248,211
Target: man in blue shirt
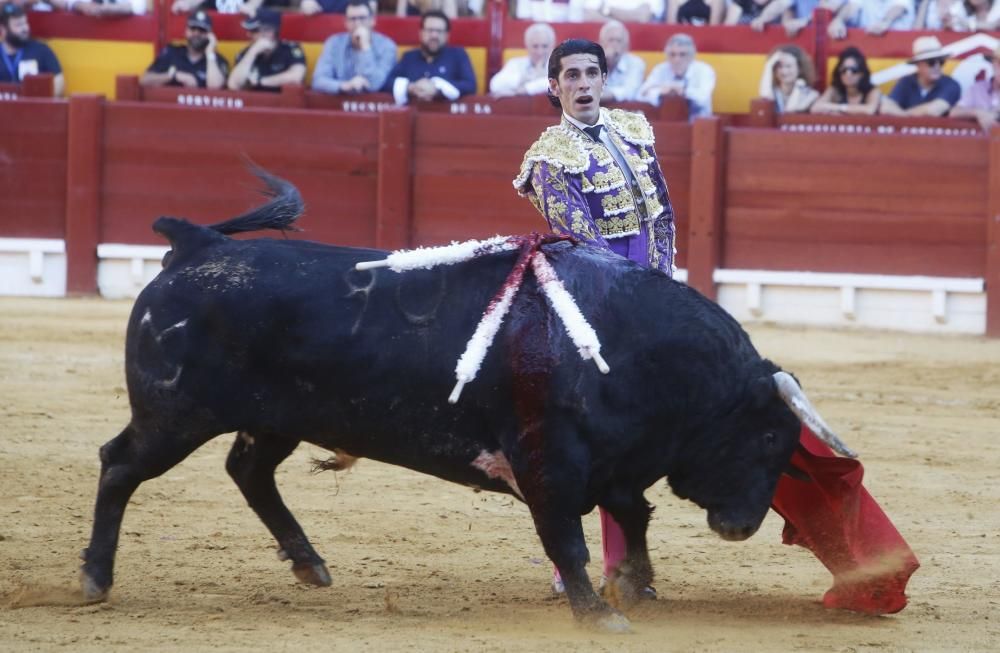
x,y
927,92
357,60
436,70
20,55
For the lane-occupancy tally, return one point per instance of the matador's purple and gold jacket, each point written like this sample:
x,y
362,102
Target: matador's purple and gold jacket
x,y
575,183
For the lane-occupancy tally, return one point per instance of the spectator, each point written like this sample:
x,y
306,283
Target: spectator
x,y
788,78
927,92
195,64
755,13
625,70
851,90
630,11
357,60
420,7
681,75
983,14
436,70
982,100
21,54
107,8
221,6
268,63
876,17
550,11
695,12
527,75
940,15
313,7
799,14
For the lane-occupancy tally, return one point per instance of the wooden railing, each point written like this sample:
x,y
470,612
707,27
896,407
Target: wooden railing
x,y
91,171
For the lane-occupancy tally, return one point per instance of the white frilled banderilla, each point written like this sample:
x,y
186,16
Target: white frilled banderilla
x,y
579,330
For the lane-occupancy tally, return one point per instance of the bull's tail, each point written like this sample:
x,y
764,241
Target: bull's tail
x,y
282,209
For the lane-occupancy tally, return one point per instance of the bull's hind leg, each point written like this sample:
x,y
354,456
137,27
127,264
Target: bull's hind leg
x,y
126,461
251,463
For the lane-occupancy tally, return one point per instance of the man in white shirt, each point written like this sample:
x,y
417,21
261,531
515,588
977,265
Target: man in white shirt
x,y
625,70
107,8
874,16
527,75
681,75
630,11
550,11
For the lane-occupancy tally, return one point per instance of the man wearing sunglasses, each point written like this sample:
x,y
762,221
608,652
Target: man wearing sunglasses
x,y
927,92
194,64
269,62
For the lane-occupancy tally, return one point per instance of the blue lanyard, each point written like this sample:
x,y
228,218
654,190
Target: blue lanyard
x,y
12,66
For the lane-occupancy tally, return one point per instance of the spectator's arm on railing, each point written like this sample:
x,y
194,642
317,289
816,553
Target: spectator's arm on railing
x,y
837,29
984,117
891,14
771,12
792,23
296,74
602,10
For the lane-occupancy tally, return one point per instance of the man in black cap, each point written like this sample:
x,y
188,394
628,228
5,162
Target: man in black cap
x,y
195,64
268,63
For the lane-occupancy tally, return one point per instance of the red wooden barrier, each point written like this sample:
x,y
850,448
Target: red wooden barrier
x,y
127,88
393,206
177,161
704,226
33,141
867,203
83,192
993,238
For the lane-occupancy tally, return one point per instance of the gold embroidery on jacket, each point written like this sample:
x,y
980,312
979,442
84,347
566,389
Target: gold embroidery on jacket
x,y
619,225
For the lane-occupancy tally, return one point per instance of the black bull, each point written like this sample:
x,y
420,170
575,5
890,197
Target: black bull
x,y
284,341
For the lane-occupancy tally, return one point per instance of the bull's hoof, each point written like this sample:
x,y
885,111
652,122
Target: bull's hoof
x,y
313,574
93,591
622,593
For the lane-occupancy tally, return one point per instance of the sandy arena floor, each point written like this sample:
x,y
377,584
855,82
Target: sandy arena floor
x,y
422,565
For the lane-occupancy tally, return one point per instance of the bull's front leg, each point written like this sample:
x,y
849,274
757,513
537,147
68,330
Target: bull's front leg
x,y
562,537
633,575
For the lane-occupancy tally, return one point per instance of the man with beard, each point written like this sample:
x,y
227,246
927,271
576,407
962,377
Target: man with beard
x,y
268,63
21,55
436,70
195,64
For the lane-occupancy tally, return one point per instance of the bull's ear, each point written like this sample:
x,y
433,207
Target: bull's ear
x,y
762,390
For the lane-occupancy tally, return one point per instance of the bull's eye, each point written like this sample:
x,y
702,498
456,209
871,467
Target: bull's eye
x,y
770,440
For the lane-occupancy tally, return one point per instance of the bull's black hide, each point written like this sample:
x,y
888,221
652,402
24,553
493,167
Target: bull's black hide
x,y
283,341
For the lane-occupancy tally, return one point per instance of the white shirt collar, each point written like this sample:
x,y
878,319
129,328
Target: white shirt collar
x,y
581,125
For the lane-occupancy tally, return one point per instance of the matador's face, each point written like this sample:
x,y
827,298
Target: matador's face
x,y
579,87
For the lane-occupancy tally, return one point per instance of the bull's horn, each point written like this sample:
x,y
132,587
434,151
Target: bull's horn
x,y
792,394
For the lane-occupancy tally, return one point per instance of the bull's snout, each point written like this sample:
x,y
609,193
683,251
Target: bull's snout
x,y
731,530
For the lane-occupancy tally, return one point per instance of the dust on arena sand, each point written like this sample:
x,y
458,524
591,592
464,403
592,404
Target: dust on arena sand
x,y
420,564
